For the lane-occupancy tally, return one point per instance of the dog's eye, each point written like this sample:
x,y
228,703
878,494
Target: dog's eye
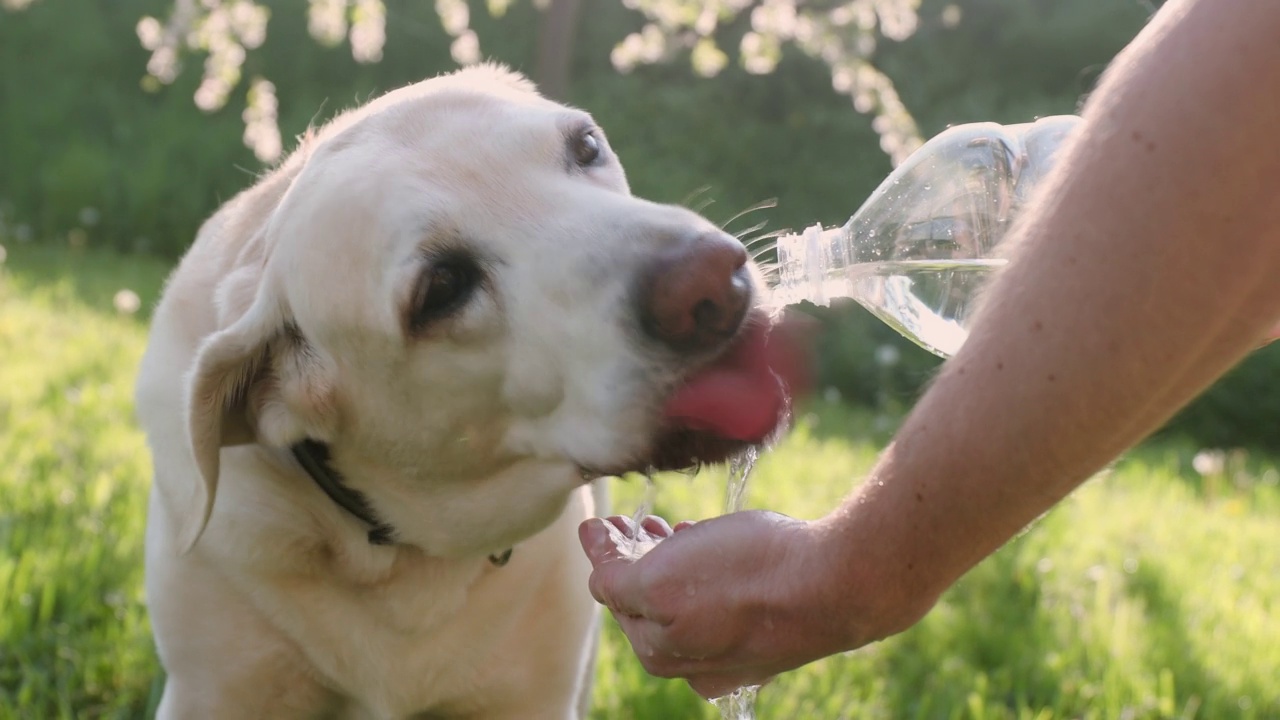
x,y
442,289
586,148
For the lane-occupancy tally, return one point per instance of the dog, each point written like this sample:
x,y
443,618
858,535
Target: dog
x,y
380,391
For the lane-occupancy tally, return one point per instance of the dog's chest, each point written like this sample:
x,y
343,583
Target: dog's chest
x,y
425,639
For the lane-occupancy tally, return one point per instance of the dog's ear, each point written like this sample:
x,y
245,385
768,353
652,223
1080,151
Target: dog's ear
x,y
256,380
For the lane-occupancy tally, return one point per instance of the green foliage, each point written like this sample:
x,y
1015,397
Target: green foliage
x,y
1008,61
77,130
1149,594
81,123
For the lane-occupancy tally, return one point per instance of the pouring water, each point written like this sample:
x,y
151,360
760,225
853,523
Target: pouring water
x,y
919,250
739,704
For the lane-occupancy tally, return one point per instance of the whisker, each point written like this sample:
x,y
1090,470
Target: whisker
x,y
742,235
763,244
701,207
762,205
694,194
756,255
770,238
765,241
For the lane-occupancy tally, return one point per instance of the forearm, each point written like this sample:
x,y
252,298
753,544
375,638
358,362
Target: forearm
x,y
1145,270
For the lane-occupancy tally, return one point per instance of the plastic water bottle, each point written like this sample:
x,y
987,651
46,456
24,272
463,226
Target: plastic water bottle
x,y
922,245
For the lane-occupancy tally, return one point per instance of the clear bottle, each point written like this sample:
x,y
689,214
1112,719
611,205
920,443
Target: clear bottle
x,y
927,239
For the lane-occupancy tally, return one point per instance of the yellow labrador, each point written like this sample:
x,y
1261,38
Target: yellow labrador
x,y
378,388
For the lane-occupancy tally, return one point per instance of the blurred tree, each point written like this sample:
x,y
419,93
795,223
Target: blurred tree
x,y
842,34
556,35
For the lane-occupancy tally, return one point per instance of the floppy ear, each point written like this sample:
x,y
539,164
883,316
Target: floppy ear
x,y
257,380
217,388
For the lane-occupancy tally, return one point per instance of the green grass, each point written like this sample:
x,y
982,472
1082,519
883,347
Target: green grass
x,y
73,631
1150,593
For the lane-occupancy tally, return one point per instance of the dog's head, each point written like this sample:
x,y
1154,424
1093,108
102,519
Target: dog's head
x,y
460,297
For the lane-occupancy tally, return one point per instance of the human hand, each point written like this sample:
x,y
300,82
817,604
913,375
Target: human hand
x,y
724,603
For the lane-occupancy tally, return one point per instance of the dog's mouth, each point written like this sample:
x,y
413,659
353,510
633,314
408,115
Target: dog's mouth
x,y
739,399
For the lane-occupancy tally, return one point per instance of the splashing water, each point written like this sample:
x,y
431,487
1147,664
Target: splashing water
x,y
740,467
739,704
641,542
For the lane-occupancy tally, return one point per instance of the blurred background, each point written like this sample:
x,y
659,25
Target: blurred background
x,y
107,144
124,123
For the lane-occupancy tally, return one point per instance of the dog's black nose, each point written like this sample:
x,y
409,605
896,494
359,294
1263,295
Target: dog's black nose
x,y
694,296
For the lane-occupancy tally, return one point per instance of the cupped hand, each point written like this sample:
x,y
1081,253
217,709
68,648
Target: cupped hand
x,y
723,603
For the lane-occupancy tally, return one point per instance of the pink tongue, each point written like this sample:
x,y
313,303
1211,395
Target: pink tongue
x,y
743,394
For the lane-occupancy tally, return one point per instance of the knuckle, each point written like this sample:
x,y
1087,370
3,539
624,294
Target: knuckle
x,y
595,584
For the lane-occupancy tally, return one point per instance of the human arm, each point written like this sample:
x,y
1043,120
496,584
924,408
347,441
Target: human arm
x,y
1145,270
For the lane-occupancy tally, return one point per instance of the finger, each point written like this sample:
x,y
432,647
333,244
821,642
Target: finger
x,y
602,542
615,582
685,525
657,526
650,641
623,523
627,526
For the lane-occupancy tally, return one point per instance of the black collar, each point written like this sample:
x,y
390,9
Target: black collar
x,y
314,458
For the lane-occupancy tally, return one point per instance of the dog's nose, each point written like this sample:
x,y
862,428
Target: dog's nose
x,y
696,294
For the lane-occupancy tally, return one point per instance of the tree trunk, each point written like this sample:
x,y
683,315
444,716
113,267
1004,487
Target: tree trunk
x,y
556,33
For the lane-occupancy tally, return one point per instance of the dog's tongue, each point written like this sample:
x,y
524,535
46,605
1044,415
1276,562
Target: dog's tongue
x,y
743,394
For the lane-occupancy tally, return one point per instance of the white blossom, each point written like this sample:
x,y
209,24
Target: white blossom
x,y
841,34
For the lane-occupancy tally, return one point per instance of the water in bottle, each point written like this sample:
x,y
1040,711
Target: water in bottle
x,y
919,250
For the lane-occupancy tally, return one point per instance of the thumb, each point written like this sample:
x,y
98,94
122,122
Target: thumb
x,y
615,581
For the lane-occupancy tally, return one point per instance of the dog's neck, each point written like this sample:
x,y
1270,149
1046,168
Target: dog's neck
x,y
314,458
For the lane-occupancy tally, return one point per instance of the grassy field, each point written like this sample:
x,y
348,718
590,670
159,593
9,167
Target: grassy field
x,y
1154,592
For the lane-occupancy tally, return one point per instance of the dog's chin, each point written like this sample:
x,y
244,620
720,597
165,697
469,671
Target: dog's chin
x,y
684,448
676,449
